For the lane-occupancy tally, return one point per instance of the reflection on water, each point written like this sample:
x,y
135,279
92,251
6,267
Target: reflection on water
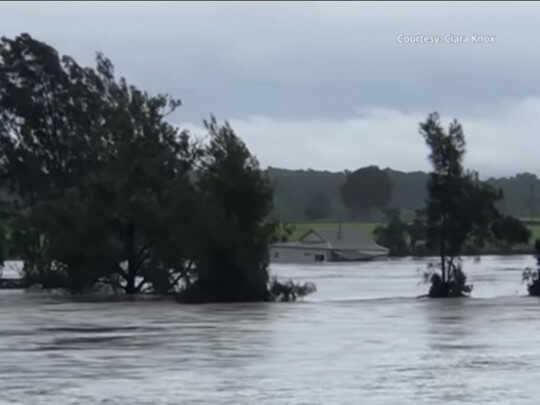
x,y
364,337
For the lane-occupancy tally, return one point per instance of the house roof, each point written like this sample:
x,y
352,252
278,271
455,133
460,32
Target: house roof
x,y
346,238
300,245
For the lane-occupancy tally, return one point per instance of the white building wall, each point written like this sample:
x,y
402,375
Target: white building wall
x,y
298,255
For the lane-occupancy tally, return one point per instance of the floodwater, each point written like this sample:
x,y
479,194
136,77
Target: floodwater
x,y
363,338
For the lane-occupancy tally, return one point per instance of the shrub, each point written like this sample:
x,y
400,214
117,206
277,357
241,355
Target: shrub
x,y
532,276
454,286
289,290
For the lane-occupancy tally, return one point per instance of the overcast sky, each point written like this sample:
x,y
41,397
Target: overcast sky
x,y
329,86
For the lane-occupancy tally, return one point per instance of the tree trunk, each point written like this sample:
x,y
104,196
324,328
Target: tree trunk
x,y
443,263
131,269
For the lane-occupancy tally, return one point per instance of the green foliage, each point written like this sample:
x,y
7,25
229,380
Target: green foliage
x,y
77,249
532,276
283,232
510,231
295,188
104,165
365,189
459,208
403,238
111,193
4,238
289,290
319,207
236,200
455,284
51,111
3,244
393,235
417,233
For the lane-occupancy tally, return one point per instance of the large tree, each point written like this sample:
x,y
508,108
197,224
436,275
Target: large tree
x,y
139,197
51,110
365,189
235,231
109,191
459,208
52,113
94,163
510,231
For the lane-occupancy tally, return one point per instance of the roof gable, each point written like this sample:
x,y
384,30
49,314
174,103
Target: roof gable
x,y
312,236
346,238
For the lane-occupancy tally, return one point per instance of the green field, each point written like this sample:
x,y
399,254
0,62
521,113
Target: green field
x,y
535,229
303,227
368,227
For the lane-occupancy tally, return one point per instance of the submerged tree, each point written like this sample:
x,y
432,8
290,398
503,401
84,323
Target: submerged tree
x,y
94,163
109,192
459,208
532,276
235,231
289,290
50,111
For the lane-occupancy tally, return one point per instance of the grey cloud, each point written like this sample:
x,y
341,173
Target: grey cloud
x,y
312,64
500,145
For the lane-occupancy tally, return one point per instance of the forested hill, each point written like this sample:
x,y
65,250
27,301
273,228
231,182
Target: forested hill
x,y
295,190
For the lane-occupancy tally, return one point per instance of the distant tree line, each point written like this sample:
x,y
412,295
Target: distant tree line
x,y
365,190
408,237
109,193
295,191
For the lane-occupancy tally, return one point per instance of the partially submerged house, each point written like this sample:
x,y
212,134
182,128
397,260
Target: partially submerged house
x,y
332,245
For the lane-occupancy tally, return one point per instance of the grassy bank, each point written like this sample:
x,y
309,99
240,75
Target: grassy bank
x,y
534,225
302,227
